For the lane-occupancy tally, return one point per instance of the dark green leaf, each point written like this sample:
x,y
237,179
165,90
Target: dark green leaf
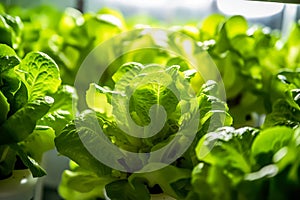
x,y
10,30
19,99
8,58
4,107
19,125
122,190
38,142
7,161
10,83
33,165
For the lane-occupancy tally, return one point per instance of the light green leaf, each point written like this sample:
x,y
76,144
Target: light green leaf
x,y
132,67
40,75
69,143
292,50
2,9
97,99
236,25
210,26
70,19
62,111
245,45
148,96
271,140
38,142
102,26
82,184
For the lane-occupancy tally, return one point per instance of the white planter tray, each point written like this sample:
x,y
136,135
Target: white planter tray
x,y
19,186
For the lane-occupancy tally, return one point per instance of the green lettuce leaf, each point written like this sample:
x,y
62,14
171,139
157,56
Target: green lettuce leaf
x,y
4,106
63,109
40,74
229,149
33,165
285,100
81,184
103,26
42,138
10,84
291,48
209,182
25,86
40,77
270,141
172,180
138,89
283,114
122,189
10,30
69,143
247,163
26,119
8,58
210,26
